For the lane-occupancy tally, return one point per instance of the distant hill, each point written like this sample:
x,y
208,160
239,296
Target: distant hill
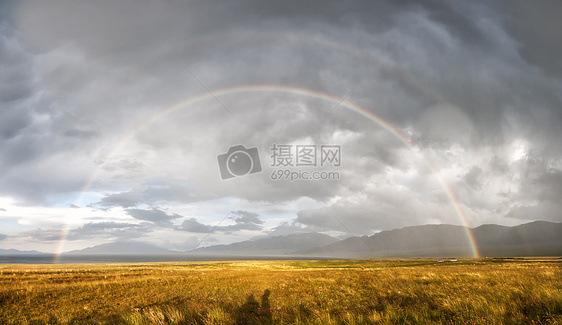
x,y
295,244
539,238
123,248
9,252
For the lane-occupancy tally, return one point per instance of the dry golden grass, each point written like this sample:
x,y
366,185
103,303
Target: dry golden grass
x,y
300,292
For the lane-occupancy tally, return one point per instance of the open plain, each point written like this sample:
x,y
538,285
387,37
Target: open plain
x,y
416,291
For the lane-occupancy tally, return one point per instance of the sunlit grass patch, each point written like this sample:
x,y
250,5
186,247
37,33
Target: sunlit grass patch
x,y
298,292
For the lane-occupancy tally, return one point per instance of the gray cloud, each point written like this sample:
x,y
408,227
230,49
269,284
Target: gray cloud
x,y
157,217
539,195
89,230
436,124
43,235
76,133
286,228
544,211
88,108
537,45
379,208
2,236
550,184
192,225
243,220
124,199
153,193
473,178
246,218
108,229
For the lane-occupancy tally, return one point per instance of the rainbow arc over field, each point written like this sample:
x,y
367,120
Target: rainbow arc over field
x,y
286,90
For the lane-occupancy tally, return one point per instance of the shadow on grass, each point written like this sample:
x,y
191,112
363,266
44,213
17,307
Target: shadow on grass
x,y
252,312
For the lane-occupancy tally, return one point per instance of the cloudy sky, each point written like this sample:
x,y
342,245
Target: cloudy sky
x,y
113,115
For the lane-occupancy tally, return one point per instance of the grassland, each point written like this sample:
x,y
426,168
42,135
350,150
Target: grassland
x,y
511,291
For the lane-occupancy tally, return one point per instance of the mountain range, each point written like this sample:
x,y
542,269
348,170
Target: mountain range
x,y
123,248
295,244
538,238
10,252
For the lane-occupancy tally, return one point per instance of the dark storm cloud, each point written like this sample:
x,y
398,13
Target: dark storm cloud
x,y
17,86
27,139
477,70
539,45
17,137
16,66
157,217
13,121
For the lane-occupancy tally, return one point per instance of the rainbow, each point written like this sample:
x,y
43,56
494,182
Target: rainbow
x,y
288,90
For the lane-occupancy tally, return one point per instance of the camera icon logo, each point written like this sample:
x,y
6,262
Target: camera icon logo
x,y
239,161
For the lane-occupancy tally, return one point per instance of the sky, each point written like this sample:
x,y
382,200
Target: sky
x,y
116,119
